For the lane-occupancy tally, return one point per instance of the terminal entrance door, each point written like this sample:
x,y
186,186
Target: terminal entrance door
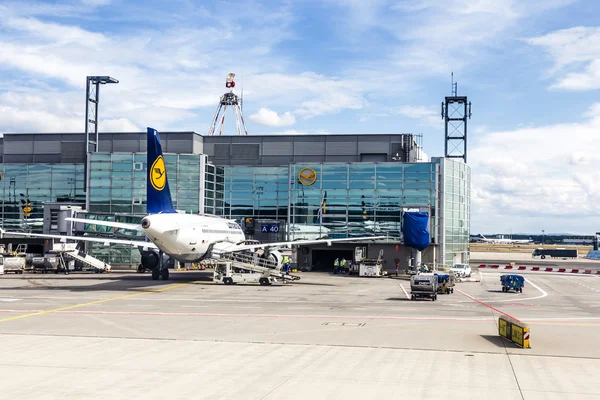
x,y
322,260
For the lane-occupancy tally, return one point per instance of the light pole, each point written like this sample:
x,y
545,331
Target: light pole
x,y
543,236
92,99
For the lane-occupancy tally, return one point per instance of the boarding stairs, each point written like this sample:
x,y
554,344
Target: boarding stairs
x,y
87,260
252,262
72,252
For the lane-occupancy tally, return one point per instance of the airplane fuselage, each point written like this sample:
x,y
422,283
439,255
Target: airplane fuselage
x,y
189,237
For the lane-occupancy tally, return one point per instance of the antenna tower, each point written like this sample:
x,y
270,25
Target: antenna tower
x,y
229,100
455,111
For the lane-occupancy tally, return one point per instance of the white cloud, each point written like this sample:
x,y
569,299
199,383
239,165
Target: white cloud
x,y
425,115
118,125
575,53
96,2
546,176
267,117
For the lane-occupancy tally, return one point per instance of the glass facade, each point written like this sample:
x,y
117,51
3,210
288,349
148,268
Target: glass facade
x,y
118,182
26,187
456,198
118,187
313,200
340,200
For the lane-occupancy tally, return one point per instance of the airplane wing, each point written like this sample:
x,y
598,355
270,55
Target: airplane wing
x,y
122,225
133,243
242,247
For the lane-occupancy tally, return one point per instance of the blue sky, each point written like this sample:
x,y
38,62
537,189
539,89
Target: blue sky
x,y
531,70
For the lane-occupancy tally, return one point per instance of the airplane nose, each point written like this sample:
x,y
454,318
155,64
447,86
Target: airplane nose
x,y
146,223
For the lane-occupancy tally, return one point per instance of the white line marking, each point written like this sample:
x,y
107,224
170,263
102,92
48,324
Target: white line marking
x,y
9,300
404,290
518,297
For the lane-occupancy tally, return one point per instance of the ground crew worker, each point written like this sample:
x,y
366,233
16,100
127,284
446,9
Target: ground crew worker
x,y
343,265
286,264
336,265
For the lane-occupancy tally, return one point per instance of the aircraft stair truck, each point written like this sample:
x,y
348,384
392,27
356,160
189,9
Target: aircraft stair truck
x,y
264,271
71,252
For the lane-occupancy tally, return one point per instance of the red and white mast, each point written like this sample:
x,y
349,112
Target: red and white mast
x,y
229,99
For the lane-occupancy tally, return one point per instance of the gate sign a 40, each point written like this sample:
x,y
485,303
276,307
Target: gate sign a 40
x,y
269,228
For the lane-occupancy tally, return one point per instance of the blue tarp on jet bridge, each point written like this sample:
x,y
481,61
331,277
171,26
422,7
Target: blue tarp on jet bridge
x,y
593,254
415,230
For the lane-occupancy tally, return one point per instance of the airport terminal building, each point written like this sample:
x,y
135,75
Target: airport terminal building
x,y
279,187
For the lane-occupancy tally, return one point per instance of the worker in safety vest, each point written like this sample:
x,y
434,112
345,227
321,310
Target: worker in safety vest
x,y
336,265
286,264
343,266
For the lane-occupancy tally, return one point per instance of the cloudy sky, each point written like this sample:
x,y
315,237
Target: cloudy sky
x,y
531,69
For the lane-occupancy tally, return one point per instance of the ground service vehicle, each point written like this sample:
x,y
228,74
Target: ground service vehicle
x,y
554,253
462,270
445,283
512,282
423,285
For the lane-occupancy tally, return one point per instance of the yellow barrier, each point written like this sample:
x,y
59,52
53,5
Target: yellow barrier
x,y
515,331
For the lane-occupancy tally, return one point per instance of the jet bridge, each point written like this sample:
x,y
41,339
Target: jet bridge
x,y
257,269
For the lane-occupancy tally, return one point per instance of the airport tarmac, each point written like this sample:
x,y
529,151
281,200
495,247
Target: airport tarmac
x,y
121,335
490,258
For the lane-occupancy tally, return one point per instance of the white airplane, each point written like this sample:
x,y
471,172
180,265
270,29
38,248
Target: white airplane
x,y
482,239
184,237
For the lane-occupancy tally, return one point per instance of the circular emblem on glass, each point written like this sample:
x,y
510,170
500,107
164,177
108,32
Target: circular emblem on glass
x,y
307,176
158,174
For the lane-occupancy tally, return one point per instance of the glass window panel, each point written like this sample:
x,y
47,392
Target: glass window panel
x,y
122,166
189,168
121,183
187,202
121,208
418,185
97,173
362,185
121,193
100,183
330,169
335,184
99,208
121,175
120,157
236,171
101,156
242,178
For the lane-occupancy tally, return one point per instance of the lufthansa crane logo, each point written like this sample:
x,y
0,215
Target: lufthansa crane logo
x,y
158,174
307,176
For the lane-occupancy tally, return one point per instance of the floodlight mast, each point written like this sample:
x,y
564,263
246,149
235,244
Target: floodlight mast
x,y
229,99
92,100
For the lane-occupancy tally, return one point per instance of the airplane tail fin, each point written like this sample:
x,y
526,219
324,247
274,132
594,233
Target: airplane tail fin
x,y
158,195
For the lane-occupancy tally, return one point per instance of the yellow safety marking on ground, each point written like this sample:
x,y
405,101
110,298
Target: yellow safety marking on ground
x,y
127,296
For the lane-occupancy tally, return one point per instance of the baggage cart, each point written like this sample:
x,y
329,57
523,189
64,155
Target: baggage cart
x,y
512,282
423,285
445,283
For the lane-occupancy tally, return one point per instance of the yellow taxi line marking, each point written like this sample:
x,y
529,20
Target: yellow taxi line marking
x,y
127,296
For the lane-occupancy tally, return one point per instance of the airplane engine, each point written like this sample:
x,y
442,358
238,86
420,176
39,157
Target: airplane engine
x,y
149,260
276,257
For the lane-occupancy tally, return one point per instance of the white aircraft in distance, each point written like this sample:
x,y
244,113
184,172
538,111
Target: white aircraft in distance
x,y
184,237
482,239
